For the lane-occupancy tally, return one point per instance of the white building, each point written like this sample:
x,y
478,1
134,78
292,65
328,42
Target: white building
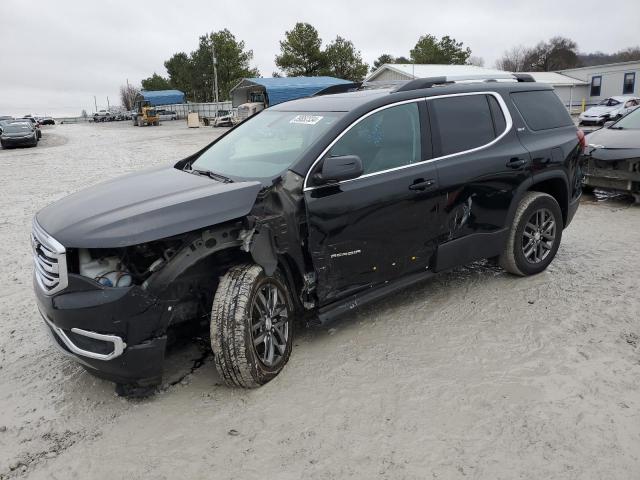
x,y
608,80
393,72
573,86
570,90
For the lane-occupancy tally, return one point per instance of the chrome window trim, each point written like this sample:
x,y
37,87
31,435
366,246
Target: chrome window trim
x,y
500,100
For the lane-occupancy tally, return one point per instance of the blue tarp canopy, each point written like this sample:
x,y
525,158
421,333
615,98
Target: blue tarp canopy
x,y
283,89
162,97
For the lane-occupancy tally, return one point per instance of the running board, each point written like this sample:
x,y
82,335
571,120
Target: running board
x,y
331,312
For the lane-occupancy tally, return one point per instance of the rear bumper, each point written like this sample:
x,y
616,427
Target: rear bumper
x,y
115,333
15,142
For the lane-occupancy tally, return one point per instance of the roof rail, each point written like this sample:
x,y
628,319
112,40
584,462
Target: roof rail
x,y
339,88
420,83
524,77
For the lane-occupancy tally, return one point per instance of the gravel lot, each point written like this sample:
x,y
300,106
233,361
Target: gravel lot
x,y
473,374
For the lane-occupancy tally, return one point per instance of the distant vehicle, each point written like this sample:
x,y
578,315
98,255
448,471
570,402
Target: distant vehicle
x,y
5,117
612,157
611,108
16,134
145,114
103,116
167,115
33,121
47,121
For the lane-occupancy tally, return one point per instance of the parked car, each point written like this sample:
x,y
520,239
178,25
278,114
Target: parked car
x,y
612,158
167,115
18,134
304,212
103,116
33,121
48,121
609,109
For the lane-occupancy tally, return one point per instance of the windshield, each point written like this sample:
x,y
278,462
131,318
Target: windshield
x,y
266,144
609,102
631,121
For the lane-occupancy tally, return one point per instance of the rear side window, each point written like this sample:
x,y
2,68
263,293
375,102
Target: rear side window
x,y
541,109
463,123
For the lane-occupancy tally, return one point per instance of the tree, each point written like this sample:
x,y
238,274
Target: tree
x,y
84,114
556,54
475,60
344,61
193,74
402,60
300,53
127,95
381,60
512,60
180,72
447,50
600,58
156,82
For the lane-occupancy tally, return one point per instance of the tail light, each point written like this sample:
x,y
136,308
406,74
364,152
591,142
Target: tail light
x,y
582,139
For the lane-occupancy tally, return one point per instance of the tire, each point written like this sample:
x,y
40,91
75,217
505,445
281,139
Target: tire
x,y
238,321
535,258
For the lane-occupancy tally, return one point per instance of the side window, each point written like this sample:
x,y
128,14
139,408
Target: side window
x,y
629,83
386,139
499,122
541,109
462,123
596,83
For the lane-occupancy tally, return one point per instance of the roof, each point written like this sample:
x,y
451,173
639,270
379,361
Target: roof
x,y
283,89
163,97
418,70
615,64
556,79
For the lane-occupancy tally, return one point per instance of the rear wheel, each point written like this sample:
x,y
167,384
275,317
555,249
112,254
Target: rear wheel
x,y
535,235
251,326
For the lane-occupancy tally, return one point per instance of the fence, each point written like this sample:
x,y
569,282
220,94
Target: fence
x,y
202,109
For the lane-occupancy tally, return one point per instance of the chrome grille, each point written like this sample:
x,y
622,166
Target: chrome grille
x,y
50,261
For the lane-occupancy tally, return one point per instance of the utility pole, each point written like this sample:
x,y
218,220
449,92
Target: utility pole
x,y
95,103
215,75
108,106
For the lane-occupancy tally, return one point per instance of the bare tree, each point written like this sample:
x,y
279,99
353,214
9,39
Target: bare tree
x,y
513,60
127,95
475,60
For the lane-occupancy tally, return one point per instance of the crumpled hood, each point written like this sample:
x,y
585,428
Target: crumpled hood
x,y
145,206
612,138
598,111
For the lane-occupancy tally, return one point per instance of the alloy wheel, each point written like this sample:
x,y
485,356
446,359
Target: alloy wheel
x,y
270,324
538,236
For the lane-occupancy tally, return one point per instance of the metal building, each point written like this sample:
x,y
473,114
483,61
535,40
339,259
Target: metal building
x,y
608,80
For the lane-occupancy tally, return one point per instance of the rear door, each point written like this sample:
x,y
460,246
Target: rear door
x,y
481,163
375,228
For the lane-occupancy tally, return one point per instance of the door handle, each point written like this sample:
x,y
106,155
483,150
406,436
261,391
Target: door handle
x,y
422,184
516,162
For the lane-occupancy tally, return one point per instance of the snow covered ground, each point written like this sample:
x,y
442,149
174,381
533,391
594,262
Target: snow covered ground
x,y
472,374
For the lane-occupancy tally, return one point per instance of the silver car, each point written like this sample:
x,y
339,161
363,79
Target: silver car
x,y
610,108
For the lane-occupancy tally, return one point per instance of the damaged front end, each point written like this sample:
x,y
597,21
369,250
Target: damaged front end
x,y
115,309
613,168
119,306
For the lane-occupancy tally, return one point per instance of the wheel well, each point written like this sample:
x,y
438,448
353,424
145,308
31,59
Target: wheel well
x,y
558,190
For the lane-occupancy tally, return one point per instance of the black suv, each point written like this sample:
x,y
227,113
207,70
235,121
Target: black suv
x,y
303,212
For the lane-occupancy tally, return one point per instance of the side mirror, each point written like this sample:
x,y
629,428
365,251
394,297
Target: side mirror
x,y
337,169
608,124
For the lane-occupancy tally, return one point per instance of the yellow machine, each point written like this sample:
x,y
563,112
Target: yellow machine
x,y
145,114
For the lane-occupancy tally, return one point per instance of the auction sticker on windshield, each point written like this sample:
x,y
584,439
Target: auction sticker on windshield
x,y
306,119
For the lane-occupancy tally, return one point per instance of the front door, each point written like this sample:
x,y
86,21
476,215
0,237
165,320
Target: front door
x,y
377,227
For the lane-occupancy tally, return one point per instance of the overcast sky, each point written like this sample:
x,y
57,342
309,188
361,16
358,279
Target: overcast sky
x,y
56,55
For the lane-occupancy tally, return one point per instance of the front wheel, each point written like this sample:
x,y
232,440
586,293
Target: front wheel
x,y
535,235
251,326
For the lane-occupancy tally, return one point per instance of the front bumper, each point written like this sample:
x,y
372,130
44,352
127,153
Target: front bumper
x,y
116,333
18,141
